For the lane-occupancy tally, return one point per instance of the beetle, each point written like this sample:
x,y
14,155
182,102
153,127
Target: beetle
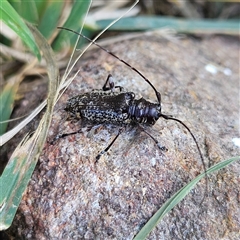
x,y
115,107
119,107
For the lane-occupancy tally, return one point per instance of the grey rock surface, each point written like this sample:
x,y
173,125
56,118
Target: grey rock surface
x,y
72,197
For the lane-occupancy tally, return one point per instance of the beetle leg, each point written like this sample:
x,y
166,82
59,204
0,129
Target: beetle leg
x,y
111,86
162,148
64,135
109,146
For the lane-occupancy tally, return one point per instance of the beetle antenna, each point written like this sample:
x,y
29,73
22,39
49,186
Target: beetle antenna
x,y
158,95
194,139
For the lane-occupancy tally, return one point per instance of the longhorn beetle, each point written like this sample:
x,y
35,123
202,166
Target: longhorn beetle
x,y
118,107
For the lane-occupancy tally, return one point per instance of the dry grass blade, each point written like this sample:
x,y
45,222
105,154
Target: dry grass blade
x,y
22,163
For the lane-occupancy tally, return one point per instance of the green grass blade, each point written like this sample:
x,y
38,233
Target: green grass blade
x,y
18,171
50,18
74,20
12,184
11,18
144,23
177,197
6,105
41,7
16,5
27,10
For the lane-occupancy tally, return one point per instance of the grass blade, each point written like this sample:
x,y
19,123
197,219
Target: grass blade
x,y
177,197
74,20
144,23
27,10
50,18
6,105
18,171
11,18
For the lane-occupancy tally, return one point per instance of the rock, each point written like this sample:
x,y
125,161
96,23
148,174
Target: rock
x,y
72,197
